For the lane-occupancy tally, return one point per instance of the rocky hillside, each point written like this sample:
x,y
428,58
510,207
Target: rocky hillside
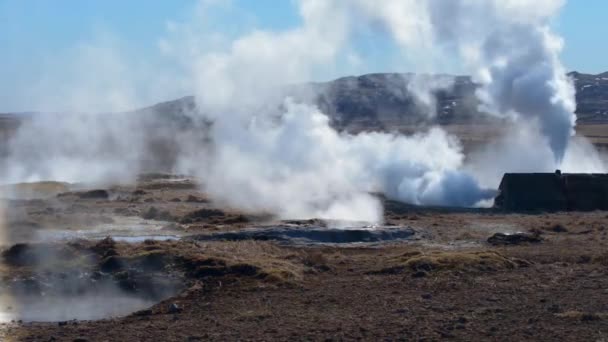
x,y
387,101
591,97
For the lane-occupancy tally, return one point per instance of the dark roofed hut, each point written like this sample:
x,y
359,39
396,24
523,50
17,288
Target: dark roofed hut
x,y
553,192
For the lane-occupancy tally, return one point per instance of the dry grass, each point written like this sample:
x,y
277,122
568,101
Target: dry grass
x,y
35,189
254,258
583,316
472,261
460,261
601,259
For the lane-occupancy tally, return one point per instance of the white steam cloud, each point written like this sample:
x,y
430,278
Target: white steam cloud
x,y
269,152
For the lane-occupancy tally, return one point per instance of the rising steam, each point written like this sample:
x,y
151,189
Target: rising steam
x,y
265,151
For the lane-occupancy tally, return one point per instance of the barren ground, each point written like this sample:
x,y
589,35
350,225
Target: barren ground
x,y
447,282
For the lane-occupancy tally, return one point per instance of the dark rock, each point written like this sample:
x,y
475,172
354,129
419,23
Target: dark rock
x,y
236,219
21,254
128,284
174,308
95,194
202,214
152,261
194,199
513,239
558,228
109,253
419,274
588,317
145,312
244,269
210,271
111,264
584,259
154,214
104,245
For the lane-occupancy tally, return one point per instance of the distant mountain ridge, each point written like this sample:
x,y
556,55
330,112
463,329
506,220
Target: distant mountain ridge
x,y
386,100
591,97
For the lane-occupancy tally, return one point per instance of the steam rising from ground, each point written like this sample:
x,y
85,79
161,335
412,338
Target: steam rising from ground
x,y
516,63
269,152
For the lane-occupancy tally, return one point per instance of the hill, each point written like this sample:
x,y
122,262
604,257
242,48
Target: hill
x,y
387,101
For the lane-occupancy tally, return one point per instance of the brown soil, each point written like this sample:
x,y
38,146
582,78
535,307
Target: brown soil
x,y
449,284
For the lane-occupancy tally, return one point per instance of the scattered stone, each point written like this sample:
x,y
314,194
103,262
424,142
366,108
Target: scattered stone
x,y
513,239
175,200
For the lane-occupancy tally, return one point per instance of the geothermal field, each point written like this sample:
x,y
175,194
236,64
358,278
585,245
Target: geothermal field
x,y
288,193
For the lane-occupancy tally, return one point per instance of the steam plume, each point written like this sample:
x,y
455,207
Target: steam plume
x,y
274,153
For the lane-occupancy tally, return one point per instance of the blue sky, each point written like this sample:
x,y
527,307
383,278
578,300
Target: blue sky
x,y
33,30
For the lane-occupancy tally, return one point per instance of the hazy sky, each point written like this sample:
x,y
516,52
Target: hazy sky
x,y
38,39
